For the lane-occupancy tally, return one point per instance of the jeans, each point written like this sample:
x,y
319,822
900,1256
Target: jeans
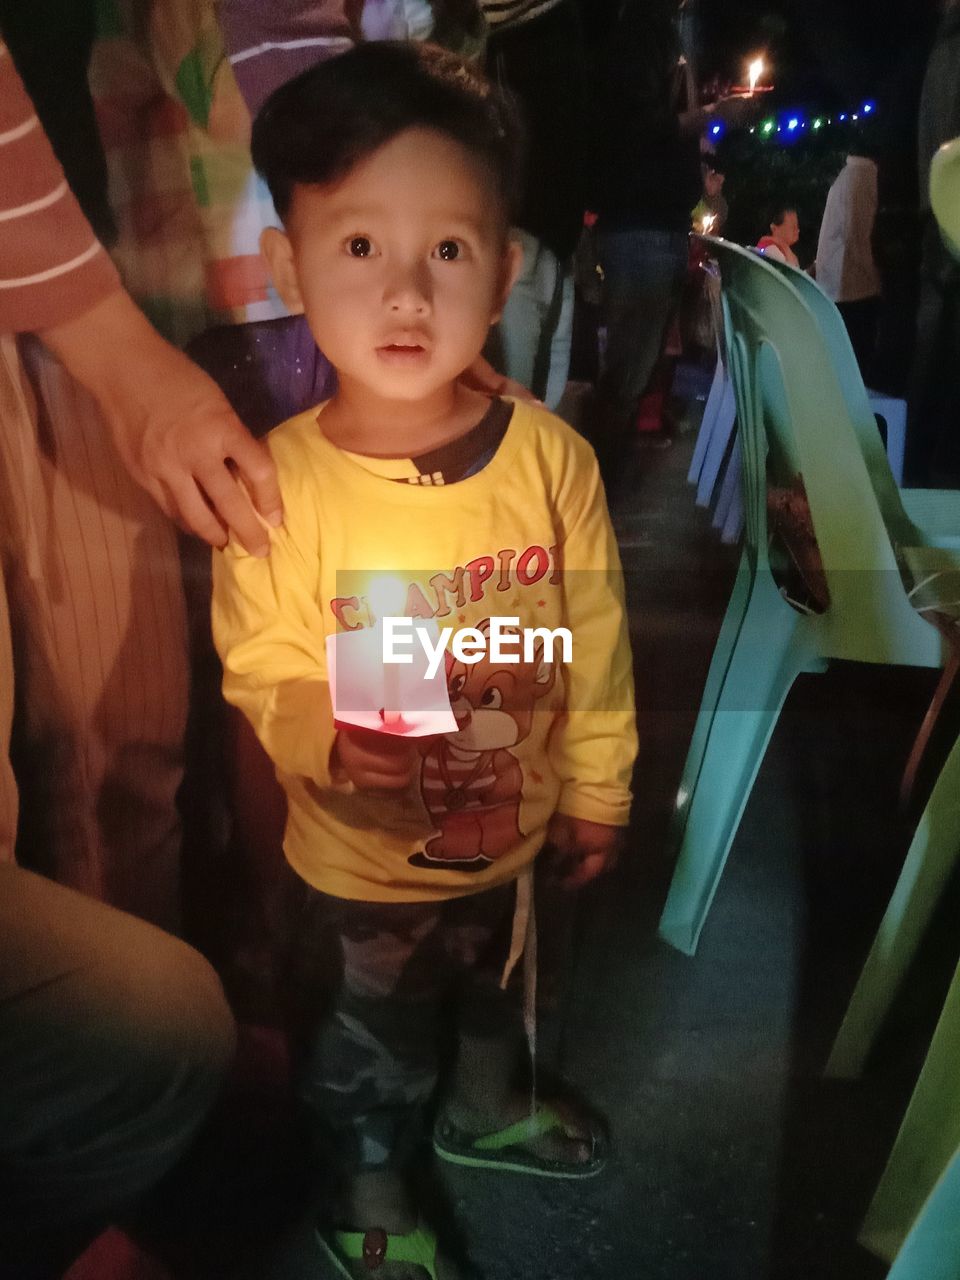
x,y
532,341
643,274
114,1040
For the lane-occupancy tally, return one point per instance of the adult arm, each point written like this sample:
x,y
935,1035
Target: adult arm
x,y
173,428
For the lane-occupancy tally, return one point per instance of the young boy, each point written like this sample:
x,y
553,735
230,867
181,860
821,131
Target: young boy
x,y
392,168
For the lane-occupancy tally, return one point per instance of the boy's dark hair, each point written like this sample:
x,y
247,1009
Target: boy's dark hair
x,y
315,128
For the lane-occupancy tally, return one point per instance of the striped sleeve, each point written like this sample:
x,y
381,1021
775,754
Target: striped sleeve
x,y
508,13
52,267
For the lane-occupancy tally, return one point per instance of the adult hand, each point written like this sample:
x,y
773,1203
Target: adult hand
x,y
481,376
375,761
582,850
173,427
737,110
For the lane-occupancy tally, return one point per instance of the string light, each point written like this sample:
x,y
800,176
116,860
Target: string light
x,y
795,124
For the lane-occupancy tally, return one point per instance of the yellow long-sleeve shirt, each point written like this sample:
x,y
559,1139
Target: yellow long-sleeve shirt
x,y
529,537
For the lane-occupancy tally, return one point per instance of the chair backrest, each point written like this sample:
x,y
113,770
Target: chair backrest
x,y
862,418
945,193
794,421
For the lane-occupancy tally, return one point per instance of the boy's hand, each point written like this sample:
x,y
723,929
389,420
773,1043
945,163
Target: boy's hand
x,y
582,850
375,761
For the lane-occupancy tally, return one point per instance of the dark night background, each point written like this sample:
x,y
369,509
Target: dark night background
x,y
826,56
824,48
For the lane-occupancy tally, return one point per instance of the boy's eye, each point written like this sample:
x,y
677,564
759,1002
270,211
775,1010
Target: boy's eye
x,y
360,246
448,250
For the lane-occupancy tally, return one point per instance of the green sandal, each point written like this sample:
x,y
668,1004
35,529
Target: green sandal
x,y
505,1148
375,1249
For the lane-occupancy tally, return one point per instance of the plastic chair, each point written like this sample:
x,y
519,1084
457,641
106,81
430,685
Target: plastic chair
x,y
803,425
720,382
932,1249
718,443
893,411
728,515
924,1157
930,859
945,193
936,844
863,405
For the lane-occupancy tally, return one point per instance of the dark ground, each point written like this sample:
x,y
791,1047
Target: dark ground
x,y
733,1160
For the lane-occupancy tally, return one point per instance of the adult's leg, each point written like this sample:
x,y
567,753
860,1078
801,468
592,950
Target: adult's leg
x,y
532,341
560,336
100,644
515,341
643,271
861,320
114,1039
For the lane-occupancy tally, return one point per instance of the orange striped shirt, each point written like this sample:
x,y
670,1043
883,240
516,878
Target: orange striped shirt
x,y
52,267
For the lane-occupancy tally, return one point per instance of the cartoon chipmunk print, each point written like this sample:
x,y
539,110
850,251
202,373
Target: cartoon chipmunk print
x,y
470,781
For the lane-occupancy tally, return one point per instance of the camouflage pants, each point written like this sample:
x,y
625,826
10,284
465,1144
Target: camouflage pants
x,y
372,1066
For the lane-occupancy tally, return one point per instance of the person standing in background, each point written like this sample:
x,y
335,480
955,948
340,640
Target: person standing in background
x,y
846,270
535,50
646,180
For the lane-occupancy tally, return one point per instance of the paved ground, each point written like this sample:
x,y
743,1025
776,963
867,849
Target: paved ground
x,y
733,1160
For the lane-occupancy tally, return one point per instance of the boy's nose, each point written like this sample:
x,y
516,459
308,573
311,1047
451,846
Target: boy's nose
x,y
408,292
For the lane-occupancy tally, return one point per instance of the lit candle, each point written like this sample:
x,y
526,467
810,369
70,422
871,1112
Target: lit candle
x,y
755,72
388,598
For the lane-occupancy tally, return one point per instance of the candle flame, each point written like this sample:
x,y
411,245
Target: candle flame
x,y
708,220
387,596
755,71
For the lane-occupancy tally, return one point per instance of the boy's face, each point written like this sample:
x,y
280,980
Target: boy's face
x,y
400,267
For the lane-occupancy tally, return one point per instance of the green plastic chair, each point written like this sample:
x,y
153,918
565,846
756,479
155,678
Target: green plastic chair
x,y
945,193
936,843
932,1249
914,1217
795,414
921,1177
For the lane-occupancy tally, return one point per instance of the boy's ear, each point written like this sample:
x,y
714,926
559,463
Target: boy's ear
x,y
510,267
278,251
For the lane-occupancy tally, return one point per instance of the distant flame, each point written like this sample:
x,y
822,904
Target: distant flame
x,y
755,71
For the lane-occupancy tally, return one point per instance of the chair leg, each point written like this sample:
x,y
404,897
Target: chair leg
x,y
932,1249
925,1146
717,448
732,530
729,486
707,422
922,740
740,708
929,861
722,652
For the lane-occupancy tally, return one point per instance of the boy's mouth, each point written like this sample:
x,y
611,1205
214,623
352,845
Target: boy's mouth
x,y
402,352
